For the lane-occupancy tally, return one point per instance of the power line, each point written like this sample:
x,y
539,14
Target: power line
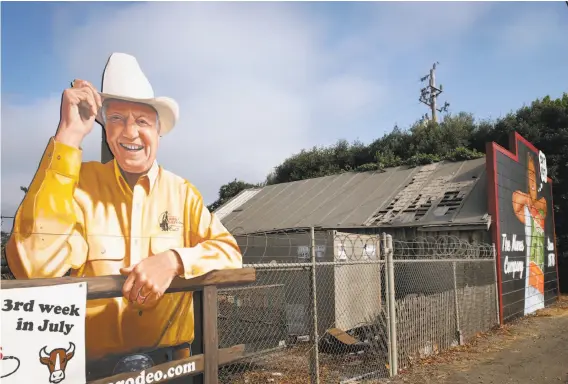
x,y
429,94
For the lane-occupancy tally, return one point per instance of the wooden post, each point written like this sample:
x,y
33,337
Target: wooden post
x,y
197,345
210,335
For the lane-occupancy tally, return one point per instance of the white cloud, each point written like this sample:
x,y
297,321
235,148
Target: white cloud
x,y
247,78
255,82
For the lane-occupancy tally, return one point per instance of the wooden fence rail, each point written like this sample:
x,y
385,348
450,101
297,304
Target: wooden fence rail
x,y
209,357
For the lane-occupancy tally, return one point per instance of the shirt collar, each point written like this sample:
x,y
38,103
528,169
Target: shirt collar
x,y
151,175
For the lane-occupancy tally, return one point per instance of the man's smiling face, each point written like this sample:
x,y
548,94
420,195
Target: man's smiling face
x,y
132,134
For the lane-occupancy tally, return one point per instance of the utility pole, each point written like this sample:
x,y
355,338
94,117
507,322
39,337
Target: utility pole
x,y
429,94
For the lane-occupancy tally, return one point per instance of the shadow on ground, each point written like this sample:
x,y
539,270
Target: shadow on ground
x,y
530,350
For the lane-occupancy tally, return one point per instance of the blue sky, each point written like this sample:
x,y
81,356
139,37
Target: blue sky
x,y
257,82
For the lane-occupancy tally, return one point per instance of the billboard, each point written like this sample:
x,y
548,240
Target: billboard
x,y
521,207
128,217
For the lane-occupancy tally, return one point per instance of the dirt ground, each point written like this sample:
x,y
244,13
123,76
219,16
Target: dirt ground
x,y
533,350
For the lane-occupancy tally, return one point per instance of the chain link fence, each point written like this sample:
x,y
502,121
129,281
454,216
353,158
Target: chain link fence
x,y
325,305
445,294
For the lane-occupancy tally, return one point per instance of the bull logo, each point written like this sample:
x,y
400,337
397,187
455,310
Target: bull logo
x,y
56,361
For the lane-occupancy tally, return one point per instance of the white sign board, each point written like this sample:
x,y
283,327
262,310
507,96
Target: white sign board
x,y
369,251
320,251
43,335
543,169
304,252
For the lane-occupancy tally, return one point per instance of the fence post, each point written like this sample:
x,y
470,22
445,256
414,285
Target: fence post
x,y
210,335
497,309
383,247
457,306
314,358
391,304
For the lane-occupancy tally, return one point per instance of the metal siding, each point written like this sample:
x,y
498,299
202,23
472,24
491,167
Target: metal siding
x,y
374,197
247,218
352,199
236,203
475,202
304,204
326,200
233,218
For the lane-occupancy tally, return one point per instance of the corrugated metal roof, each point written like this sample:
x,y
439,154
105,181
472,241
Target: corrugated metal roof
x,y
434,194
234,204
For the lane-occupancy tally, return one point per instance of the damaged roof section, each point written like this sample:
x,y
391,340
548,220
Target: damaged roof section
x,y
445,193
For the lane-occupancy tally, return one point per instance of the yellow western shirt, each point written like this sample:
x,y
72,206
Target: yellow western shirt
x,y
85,217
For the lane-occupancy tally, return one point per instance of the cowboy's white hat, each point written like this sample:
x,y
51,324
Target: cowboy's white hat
x,y
123,79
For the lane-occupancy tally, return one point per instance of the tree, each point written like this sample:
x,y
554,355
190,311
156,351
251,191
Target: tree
x,y
456,137
230,190
421,144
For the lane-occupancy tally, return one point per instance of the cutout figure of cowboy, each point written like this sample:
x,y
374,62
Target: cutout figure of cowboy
x,y
531,211
102,219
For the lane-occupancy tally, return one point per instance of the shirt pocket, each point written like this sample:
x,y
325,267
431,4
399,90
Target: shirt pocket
x,y
106,254
162,243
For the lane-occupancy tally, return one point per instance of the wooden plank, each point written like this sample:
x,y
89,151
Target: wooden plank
x,y
111,286
210,335
224,356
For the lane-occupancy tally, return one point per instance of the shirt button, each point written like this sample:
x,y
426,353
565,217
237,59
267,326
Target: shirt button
x,y
136,241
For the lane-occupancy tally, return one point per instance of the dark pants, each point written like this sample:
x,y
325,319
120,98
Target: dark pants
x,y
106,367
164,355
170,354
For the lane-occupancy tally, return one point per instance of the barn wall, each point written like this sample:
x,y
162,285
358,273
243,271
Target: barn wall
x,y
413,278
347,295
284,249
412,233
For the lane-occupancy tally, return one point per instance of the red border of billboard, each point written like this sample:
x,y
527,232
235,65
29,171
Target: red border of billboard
x,y
491,150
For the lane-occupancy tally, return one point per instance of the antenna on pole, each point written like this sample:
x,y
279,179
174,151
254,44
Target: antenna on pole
x,y
429,94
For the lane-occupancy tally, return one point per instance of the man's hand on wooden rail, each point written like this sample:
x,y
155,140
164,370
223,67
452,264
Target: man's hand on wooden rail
x,y
148,280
